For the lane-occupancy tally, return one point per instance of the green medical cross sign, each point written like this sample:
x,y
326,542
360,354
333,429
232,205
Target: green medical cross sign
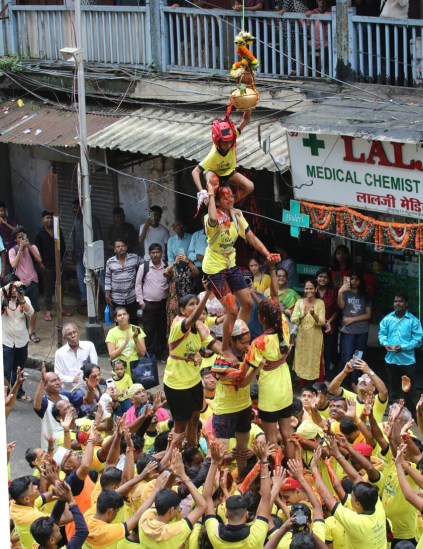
x,y
314,144
295,218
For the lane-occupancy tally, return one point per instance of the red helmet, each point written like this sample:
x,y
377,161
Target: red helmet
x,y
223,130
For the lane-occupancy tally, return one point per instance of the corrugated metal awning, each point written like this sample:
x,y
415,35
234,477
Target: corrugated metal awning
x,y
366,118
149,130
185,134
36,124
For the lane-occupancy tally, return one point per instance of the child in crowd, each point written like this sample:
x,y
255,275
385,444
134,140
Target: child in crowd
x,y
123,382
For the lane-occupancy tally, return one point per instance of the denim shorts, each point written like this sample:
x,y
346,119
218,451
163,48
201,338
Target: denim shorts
x,y
228,280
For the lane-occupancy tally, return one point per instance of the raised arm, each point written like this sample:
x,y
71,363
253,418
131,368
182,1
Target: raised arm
x,y
335,385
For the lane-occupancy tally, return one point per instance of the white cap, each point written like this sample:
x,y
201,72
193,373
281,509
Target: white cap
x,y
59,454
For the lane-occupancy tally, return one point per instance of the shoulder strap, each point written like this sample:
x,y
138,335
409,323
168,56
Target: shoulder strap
x,y
146,269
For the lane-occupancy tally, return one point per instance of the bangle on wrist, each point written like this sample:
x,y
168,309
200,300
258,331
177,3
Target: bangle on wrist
x,y
71,504
66,430
262,478
89,440
264,463
130,449
339,456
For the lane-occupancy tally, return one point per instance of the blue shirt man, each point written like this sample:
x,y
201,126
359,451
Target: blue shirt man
x,y
178,243
400,332
197,247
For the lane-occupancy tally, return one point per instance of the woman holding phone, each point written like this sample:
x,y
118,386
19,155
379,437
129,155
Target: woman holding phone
x,y
355,305
125,341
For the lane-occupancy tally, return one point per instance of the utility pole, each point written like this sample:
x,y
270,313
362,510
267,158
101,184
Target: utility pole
x,y
94,331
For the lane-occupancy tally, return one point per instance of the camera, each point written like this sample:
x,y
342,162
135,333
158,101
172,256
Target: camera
x,y
21,289
302,515
248,280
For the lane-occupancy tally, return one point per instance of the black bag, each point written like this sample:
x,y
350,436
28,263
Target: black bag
x,y
144,371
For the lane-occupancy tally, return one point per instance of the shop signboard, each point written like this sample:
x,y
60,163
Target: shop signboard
x,y
383,176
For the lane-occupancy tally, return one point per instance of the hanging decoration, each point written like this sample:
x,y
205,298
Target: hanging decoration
x,y
363,227
245,96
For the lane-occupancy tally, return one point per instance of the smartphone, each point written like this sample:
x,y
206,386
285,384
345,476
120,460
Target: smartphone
x,y
110,383
347,280
135,330
356,356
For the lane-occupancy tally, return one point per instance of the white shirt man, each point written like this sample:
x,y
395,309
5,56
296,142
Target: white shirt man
x,y
69,359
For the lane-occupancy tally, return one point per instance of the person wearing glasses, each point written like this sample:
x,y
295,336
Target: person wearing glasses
x,y
178,243
69,359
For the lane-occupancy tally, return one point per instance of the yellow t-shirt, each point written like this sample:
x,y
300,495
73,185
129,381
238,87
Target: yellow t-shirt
x,y
378,407
155,534
275,387
364,531
263,284
118,337
334,533
318,528
23,516
230,399
221,165
122,385
102,535
127,544
220,252
135,495
193,542
256,537
182,374
403,515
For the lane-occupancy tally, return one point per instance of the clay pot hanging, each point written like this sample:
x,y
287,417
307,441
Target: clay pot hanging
x,y
244,98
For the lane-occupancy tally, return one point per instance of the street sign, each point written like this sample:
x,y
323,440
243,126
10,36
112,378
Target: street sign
x,y
295,218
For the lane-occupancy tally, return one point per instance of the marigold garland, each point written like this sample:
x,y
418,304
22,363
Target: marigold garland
x,y
365,228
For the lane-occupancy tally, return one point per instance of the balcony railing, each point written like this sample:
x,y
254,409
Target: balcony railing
x,y
111,34
195,40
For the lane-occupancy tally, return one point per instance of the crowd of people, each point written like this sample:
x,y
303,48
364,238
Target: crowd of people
x,y
224,455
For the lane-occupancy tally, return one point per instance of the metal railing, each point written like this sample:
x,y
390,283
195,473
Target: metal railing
x,y
387,51
286,45
195,40
111,34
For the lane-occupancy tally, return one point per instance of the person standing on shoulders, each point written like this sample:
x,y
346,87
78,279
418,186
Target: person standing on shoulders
x,y
400,333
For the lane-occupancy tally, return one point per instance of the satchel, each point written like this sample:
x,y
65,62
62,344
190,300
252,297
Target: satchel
x,y
144,371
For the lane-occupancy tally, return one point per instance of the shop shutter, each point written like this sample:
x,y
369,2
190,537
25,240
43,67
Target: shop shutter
x,y
104,198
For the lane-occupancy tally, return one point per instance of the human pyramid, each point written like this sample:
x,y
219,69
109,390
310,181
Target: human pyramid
x,y
224,456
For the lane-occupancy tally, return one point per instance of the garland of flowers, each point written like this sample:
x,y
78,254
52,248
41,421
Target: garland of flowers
x,y
364,228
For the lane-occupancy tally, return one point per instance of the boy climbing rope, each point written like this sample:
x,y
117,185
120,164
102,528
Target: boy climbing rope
x,y
219,165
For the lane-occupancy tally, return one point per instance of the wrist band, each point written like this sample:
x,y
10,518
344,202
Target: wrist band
x,y
71,504
89,440
130,449
338,457
265,477
264,463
